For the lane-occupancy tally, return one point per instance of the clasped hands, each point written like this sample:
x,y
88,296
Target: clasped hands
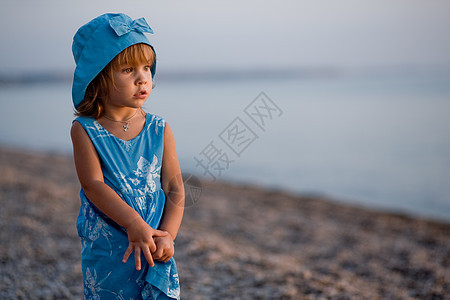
x,y
154,244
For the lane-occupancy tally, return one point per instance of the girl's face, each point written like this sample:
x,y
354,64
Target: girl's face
x,y
133,85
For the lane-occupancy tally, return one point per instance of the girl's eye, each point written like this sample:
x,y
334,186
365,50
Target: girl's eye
x,y
128,70
147,68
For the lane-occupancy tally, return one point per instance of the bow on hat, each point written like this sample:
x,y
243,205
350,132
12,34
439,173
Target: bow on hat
x,y
123,27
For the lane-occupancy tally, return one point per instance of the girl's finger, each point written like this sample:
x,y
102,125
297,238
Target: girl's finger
x,y
148,257
127,254
152,246
158,254
157,232
137,258
163,258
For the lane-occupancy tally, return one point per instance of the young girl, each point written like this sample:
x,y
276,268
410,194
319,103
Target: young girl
x,y
132,194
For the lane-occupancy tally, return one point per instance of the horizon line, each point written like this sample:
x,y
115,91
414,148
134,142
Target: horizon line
x,y
234,74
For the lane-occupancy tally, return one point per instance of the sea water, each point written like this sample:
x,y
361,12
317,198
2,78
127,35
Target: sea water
x,y
374,139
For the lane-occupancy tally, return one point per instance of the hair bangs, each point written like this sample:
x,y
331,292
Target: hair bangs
x,y
134,55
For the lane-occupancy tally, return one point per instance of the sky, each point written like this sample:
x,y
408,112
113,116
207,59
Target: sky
x,y
211,35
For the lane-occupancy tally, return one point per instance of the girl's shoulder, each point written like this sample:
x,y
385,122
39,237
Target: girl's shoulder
x,y
153,119
84,120
90,125
156,123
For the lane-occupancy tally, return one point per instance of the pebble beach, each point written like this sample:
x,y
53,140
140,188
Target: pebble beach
x,y
236,242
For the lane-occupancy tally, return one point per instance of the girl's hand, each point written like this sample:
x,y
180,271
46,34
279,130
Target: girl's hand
x,y
164,248
141,240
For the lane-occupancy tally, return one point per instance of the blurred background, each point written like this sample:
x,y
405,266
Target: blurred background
x,y
364,90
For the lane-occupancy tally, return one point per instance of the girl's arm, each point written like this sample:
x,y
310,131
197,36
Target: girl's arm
x,y
87,163
172,185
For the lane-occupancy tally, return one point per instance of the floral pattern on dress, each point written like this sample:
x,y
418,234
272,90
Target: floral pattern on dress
x,y
127,145
159,122
142,180
102,132
93,287
95,227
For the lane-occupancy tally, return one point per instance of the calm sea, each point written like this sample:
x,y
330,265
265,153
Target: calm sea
x,y
375,139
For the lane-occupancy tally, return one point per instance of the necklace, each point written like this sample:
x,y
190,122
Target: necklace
x,y
125,125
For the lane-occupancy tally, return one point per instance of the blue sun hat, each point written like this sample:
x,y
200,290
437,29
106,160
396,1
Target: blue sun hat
x,y
97,43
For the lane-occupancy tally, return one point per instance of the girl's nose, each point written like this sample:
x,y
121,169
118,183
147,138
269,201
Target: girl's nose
x,y
141,81
141,78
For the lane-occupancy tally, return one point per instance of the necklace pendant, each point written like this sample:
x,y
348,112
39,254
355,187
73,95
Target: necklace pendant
x,y
125,127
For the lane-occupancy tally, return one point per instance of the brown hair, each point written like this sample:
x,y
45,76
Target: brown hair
x,y
97,90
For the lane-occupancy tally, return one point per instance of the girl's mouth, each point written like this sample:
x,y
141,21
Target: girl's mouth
x,y
141,94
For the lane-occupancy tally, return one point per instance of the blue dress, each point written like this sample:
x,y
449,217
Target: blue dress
x,y
132,169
